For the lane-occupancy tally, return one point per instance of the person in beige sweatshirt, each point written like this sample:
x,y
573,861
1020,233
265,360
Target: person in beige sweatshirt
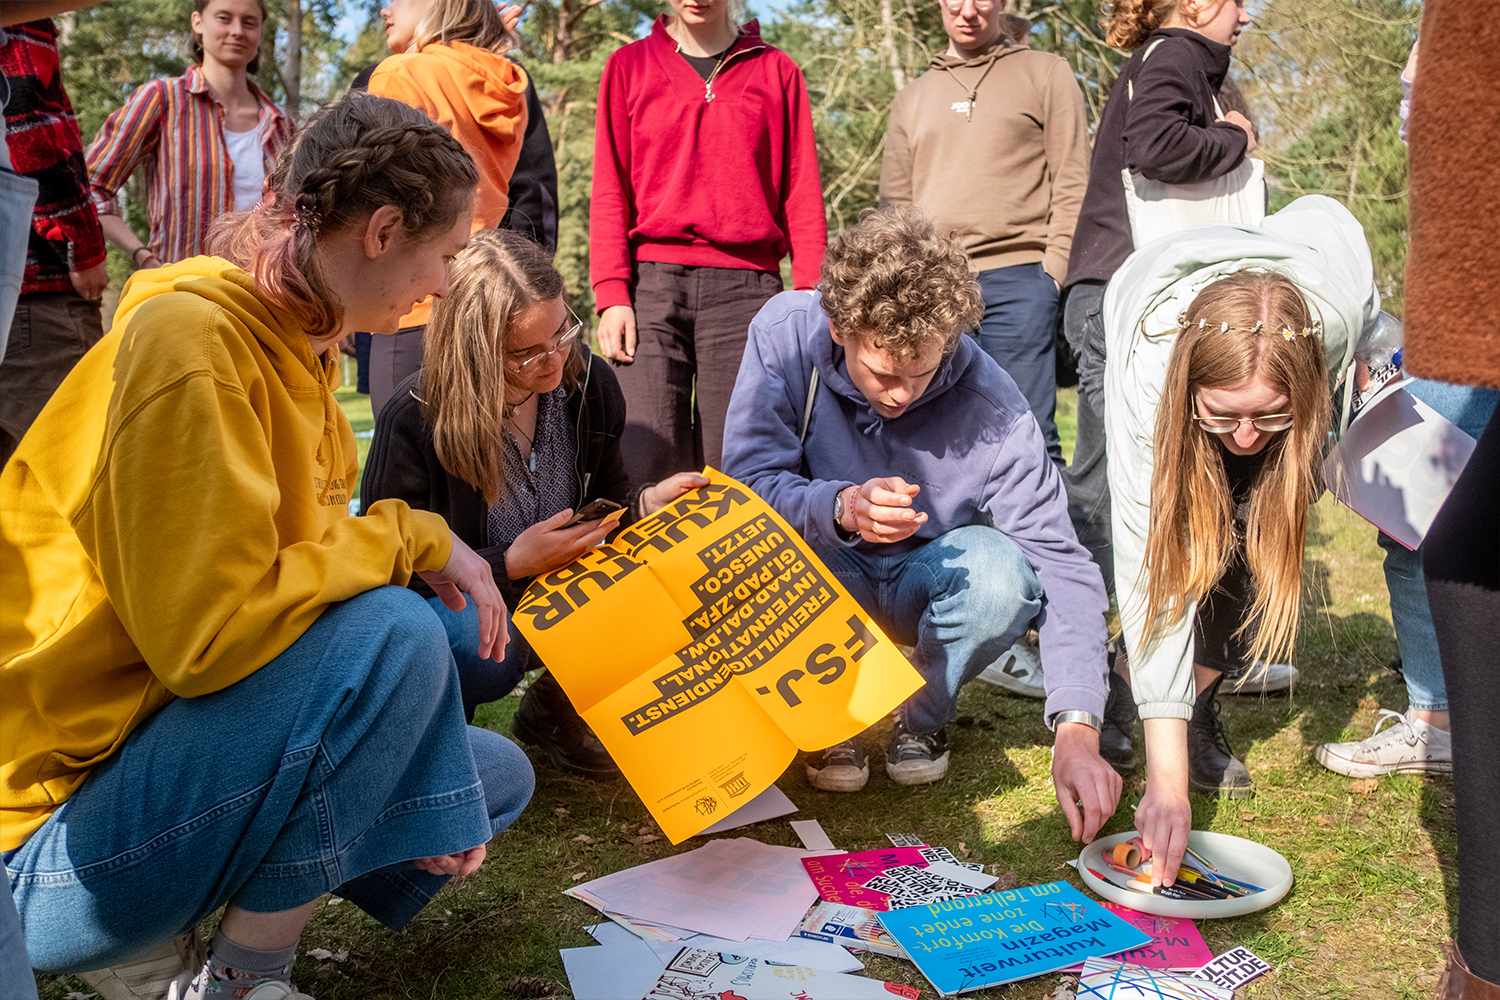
x,y
992,143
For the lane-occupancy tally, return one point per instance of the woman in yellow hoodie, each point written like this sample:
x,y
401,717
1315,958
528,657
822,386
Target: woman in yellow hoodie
x,y
214,686
449,62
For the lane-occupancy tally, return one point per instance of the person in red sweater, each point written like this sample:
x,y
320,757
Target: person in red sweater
x,y
57,316
705,177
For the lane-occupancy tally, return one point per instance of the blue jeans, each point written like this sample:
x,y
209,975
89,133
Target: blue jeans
x,y
16,980
1019,330
329,769
1470,408
961,599
1087,477
481,681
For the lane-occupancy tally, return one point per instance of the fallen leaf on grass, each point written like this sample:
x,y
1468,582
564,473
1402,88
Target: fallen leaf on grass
x,y
561,810
528,986
1249,817
1006,882
583,838
1364,786
645,839
578,875
1369,704
964,849
646,829
323,954
1326,820
1065,990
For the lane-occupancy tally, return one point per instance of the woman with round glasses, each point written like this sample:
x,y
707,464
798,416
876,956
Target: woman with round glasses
x,y
509,428
1223,346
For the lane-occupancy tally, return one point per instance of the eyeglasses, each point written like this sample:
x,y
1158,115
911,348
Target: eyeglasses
x,y
560,342
1270,423
980,6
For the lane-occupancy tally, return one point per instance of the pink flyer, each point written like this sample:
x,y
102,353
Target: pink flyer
x,y
840,878
1175,943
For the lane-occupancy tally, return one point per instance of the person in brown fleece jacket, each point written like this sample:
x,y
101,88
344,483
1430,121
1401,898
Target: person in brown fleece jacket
x,y
993,145
1452,317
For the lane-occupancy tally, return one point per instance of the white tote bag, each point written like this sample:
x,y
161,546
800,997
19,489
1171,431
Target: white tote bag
x,y
1158,209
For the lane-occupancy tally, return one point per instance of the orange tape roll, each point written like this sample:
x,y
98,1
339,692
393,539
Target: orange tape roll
x,y
1127,854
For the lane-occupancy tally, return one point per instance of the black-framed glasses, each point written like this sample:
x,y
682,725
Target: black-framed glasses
x,y
560,342
1269,423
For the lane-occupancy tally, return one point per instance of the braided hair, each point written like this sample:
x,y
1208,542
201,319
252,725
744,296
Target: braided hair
x,y
355,155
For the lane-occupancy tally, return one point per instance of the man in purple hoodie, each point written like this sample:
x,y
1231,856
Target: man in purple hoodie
x,y
913,465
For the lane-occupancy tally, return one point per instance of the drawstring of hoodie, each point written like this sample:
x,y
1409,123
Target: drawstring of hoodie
x,y
973,91
326,369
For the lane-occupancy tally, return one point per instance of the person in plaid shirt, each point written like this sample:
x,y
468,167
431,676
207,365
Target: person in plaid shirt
x,y
57,317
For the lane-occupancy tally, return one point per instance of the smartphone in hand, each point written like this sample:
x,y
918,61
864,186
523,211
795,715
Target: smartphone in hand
x,y
593,511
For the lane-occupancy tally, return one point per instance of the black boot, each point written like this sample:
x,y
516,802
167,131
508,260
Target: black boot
x,y
1212,767
1119,723
547,720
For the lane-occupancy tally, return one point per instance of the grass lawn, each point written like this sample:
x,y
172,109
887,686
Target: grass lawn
x,y
1372,903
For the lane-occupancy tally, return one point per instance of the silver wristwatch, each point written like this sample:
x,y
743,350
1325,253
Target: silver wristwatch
x,y
838,517
1078,715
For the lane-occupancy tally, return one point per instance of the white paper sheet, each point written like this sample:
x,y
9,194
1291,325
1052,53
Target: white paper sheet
x,y
812,836
769,804
797,951
614,972
704,975
734,889
969,877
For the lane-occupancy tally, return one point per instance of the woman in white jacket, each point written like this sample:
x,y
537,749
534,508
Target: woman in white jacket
x,y
1223,344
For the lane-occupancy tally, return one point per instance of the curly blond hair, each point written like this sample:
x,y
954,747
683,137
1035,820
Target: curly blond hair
x,y
1127,23
894,281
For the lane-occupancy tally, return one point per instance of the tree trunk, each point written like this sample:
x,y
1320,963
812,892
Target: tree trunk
x,y
888,42
294,59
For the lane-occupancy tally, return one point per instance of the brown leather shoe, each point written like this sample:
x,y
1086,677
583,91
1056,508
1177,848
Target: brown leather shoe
x,y
1458,983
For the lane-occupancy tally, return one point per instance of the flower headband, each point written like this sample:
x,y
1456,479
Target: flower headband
x,y
1316,330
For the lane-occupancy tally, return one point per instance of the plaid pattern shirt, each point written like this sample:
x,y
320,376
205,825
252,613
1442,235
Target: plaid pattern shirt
x,y
175,128
45,145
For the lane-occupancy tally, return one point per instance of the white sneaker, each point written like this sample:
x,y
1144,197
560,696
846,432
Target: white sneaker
x,y
150,974
1019,669
1410,745
199,985
1263,678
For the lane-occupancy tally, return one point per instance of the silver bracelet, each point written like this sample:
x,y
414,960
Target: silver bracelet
x,y
1078,715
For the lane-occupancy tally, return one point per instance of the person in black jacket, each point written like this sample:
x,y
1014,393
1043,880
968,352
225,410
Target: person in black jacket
x,y
509,427
1160,121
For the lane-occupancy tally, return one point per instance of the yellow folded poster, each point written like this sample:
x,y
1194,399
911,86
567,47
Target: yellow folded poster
x,y
705,645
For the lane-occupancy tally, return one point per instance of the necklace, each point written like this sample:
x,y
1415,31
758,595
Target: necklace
x,y
515,428
530,447
511,408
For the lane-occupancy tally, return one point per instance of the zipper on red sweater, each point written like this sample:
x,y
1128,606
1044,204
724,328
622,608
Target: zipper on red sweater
x,y
708,85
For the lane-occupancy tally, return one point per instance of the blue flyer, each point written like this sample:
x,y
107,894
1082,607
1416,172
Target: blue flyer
x,y
998,937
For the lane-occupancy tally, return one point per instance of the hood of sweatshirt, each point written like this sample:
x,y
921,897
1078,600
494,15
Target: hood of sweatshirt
x,y
1003,47
474,84
283,343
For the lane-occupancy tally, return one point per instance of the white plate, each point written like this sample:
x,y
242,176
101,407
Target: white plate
x,y
1236,857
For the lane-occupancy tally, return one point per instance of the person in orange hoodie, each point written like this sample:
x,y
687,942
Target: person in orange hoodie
x,y
450,64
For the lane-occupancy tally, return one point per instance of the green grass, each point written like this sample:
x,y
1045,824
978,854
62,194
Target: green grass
x,y
1375,887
